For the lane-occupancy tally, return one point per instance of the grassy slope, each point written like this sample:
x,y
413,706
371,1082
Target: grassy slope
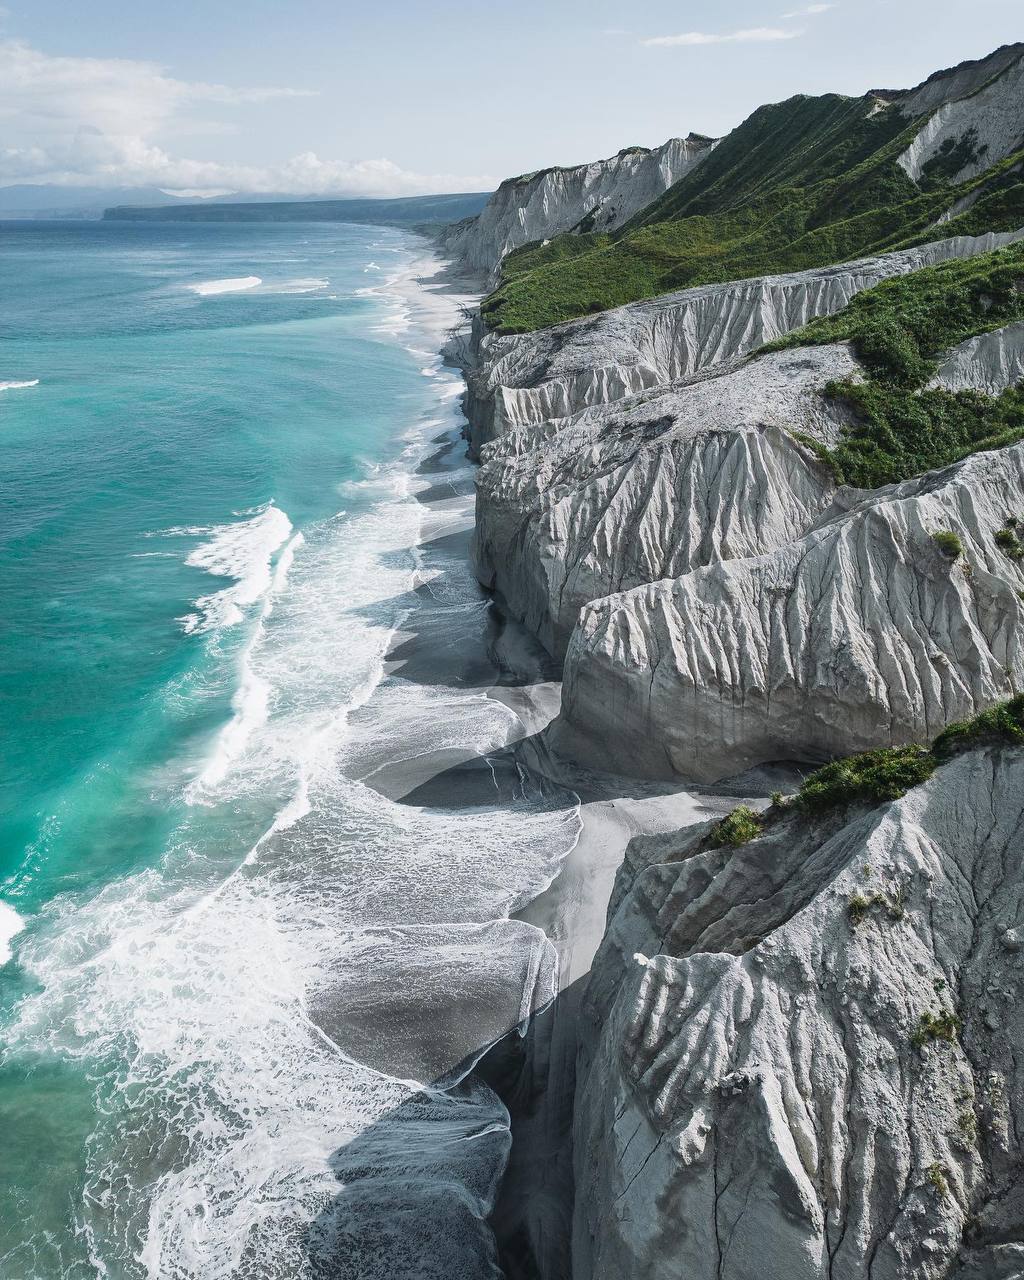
x,y
900,329
799,184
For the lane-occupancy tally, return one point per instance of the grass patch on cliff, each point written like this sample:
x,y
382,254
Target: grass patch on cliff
x,y
739,827
873,778
1001,726
899,433
876,777
900,330
936,1026
948,543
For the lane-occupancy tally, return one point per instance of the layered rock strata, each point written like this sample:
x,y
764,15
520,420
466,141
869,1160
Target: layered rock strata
x,y
654,486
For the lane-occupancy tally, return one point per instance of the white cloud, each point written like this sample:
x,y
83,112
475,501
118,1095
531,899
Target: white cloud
x,y
106,121
750,35
809,12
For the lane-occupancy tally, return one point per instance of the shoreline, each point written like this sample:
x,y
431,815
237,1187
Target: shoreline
x,y
571,909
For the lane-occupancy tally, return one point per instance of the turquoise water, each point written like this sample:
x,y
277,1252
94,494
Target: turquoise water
x,y
157,409
210,534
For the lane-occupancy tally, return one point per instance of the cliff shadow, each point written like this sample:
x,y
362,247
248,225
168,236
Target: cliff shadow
x,y
405,1206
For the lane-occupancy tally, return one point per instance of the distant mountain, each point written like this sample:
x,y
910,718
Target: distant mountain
x,y
406,211
44,200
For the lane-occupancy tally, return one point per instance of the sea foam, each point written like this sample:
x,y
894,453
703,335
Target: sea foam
x,y
243,550
208,288
17,386
11,924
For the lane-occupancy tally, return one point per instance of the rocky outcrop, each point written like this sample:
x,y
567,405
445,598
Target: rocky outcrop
x,y
529,378
652,487
858,635
968,135
803,1057
589,197
989,363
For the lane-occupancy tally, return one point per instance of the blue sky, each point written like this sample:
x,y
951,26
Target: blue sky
x,y
401,96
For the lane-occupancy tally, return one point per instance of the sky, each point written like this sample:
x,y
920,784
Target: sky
x,y
405,97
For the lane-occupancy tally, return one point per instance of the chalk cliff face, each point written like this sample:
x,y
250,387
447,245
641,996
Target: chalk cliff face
x,y
654,486
990,363
589,197
758,1091
859,634
532,378
761,1090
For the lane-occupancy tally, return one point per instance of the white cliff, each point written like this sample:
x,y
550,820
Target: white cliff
x,y
589,197
530,378
654,486
991,362
972,132
858,635
758,1090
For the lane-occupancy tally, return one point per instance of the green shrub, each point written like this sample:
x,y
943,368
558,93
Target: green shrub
x,y
968,1123
1002,725
900,427
948,543
874,777
742,825
861,904
936,1026
1009,541
936,1175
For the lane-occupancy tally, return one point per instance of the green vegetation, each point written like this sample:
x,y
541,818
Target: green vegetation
x,y
948,543
799,184
741,826
861,904
900,329
890,772
1008,540
936,1026
968,1123
936,1175
900,433
874,777
1002,725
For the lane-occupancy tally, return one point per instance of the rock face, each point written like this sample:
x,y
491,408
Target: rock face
x,y
759,1093
990,363
957,82
530,378
654,486
588,197
860,634
968,135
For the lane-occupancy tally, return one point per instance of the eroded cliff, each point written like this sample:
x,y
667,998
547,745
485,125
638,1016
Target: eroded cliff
x,y
802,1056
589,197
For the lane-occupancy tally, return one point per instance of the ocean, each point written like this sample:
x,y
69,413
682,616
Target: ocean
x,y
250,960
